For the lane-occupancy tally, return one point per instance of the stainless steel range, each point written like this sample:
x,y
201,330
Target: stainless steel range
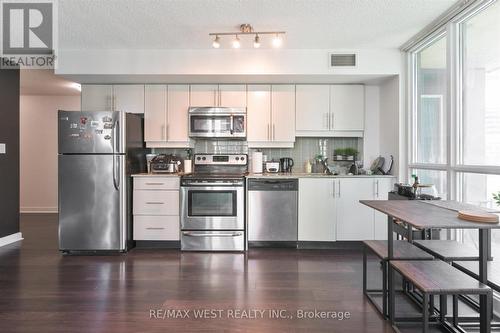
x,y
213,204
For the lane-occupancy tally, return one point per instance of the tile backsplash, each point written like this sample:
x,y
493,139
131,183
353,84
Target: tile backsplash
x,y
303,150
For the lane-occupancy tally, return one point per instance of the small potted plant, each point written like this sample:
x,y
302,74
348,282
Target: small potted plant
x,y
496,197
350,153
339,154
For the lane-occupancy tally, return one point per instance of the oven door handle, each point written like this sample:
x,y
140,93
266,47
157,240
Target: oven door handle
x,y
219,185
221,234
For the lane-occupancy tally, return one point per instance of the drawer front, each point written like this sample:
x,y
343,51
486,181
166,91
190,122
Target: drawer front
x,y
156,183
156,228
156,202
213,240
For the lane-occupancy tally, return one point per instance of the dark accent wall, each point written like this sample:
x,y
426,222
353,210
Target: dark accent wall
x,y
9,162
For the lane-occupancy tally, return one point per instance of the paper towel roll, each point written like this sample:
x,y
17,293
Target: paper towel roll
x,y
187,166
257,162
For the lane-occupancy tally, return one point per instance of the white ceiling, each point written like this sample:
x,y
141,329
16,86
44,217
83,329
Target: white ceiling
x,y
185,24
44,82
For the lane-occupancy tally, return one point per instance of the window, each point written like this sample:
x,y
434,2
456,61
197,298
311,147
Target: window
x,y
436,178
478,189
430,115
481,86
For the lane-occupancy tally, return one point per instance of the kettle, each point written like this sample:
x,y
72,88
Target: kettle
x,y
286,164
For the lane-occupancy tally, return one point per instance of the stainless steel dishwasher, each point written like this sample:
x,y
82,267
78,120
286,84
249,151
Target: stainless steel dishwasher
x,y
272,210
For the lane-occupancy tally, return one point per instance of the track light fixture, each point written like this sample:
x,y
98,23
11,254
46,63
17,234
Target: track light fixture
x,y
247,30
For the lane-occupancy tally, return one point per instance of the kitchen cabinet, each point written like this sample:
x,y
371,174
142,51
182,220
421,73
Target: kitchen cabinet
x,y
156,208
97,97
271,116
317,209
166,116
129,98
227,95
177,116
126,98
203,95
313,110
347,107
382,188
330,110
232,95
155,113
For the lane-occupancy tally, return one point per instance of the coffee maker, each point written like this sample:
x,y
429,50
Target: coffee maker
x,y
286,164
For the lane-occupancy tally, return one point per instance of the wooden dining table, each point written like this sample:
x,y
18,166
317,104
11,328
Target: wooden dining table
x,y
435,215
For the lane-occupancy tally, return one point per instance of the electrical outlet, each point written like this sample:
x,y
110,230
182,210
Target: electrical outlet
x,y
2,148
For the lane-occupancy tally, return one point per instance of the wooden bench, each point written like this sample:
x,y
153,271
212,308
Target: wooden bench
x,y
439,278
449,250
403,250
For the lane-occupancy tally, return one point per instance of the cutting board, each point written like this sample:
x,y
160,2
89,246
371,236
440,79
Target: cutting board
x,y
475,216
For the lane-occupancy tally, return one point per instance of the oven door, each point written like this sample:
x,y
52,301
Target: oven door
x,y
217,125
212,207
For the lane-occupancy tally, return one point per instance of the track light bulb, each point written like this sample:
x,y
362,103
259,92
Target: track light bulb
x,y
256,42
216,42
236,42
277,41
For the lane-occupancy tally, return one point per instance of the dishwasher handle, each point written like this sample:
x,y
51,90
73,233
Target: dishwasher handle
x,y
273,185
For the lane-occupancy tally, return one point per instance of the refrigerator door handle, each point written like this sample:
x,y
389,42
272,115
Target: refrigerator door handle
x,y
116,147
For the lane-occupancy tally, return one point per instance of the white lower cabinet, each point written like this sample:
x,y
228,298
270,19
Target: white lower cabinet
x,y
355,221
329,208
156,208
317,211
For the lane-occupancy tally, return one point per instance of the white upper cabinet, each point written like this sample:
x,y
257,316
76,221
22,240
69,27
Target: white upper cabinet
x,y
97,97
165,117
317,209
177,119
155,115
271,116
312,110
355,221
232,95
224,95
203,95
347,107
259,113
283,113
129,98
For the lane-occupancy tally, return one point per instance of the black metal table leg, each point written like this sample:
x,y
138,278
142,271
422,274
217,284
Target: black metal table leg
x,y
484,306
443,307
390,256
425,313
455,310
384,288
364,270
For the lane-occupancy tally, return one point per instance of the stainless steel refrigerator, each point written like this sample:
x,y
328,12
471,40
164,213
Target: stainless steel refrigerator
x,y
97,153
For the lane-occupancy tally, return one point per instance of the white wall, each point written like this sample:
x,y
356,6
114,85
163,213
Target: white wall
x,y
390,123
39,150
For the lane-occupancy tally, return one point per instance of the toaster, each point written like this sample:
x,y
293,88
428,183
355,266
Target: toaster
x,y
272,166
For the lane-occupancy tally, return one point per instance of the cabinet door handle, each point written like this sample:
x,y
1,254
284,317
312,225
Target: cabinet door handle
x,y
268,132
155,183
154,228
377,187
167,132
163,131
274,132
154,203
332,115
338,193
325,120
333,188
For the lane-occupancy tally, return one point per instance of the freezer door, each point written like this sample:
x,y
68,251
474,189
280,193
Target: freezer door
x,y
92,202
91,132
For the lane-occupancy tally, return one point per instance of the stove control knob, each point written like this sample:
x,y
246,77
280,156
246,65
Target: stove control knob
x,y
198,158
237,158
203,158
242,158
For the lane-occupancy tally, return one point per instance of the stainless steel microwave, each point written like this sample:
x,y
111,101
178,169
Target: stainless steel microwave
x,y
217,122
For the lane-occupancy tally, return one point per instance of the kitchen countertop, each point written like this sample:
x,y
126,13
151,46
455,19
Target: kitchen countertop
x,y
311,175
273,175
178,174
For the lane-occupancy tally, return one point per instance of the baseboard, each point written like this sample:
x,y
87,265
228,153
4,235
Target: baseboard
x,y
11,239
38,210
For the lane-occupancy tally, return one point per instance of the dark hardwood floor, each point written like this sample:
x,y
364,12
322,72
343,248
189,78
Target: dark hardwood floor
x,y
42,291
